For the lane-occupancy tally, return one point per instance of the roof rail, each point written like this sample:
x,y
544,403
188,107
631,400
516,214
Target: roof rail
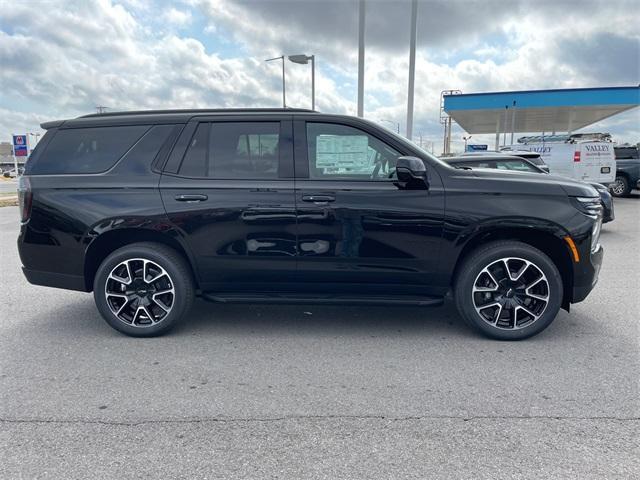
x,y
197,111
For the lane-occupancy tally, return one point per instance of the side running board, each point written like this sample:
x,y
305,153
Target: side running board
x,y
321,299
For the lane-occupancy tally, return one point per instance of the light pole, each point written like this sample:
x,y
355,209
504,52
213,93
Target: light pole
x,y
37,135
412,69
397,124
466,139
361,21
284,99
303,60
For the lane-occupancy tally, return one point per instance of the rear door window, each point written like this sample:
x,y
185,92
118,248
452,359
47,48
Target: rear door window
x,y
233,150
86,150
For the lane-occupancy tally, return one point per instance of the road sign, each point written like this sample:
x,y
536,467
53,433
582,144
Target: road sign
x,y
477,148
20,146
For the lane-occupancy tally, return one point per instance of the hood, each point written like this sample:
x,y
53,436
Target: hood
x,y
536,183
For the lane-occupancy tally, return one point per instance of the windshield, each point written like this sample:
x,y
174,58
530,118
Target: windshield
x,y
412,145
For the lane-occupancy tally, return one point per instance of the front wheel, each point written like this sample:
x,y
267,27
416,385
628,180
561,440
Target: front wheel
x,y
143,289
508,290
621,187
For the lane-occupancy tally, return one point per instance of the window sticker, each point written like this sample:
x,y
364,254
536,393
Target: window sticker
x,y
343,154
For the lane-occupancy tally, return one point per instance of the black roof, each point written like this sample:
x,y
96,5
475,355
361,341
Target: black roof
x,y
198,111
161,116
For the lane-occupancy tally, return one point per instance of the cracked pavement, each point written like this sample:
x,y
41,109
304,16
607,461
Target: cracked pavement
x,y
267,391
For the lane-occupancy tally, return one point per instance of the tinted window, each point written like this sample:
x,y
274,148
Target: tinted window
x,y
520,166
536,160
86,150
243,150
339,151
517,165
626,152
195,160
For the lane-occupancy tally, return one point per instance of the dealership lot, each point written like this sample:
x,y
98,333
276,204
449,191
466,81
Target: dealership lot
x,y
321,392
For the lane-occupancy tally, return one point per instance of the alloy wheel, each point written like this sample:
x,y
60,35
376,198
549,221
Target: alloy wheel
x,y
139,292
511,293
618,187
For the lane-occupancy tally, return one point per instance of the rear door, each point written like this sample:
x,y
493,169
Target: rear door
x,y
597,162
357,229
228,190
558,156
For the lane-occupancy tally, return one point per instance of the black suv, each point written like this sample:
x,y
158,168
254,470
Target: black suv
x,y
150,209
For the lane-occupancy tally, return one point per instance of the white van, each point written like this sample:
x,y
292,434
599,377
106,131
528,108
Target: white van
x,y
587,157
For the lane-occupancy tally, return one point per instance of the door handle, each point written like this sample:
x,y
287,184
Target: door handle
x,y
318,199
191,198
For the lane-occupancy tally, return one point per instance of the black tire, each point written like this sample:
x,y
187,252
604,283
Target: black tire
x,y
491,254
621,187
178,276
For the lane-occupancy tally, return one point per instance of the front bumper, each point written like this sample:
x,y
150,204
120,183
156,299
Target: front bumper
x,y
608,215
586,275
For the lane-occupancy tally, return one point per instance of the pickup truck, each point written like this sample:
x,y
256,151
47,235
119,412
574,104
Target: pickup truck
x,y
627,171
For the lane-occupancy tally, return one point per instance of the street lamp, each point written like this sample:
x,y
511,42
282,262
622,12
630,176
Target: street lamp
x,y
281,57
303,60
397,124
37,135
466,139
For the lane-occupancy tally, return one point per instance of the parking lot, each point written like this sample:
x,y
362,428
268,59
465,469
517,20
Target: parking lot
x,y
321,392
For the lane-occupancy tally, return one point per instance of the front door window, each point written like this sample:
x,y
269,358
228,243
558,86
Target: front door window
x,y
347,153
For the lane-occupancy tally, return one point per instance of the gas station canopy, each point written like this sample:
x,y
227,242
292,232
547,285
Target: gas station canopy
x,y
538,110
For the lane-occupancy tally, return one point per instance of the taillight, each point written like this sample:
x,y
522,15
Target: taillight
x,y
576,156
25,197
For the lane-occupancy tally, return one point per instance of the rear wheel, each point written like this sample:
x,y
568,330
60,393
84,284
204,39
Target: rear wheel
x,y
621,187
508,290
143,289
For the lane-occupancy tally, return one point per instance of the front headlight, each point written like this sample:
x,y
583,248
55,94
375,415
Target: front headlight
x,y
592,207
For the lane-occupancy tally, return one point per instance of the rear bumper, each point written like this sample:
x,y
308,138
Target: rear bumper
x,y
56,280
587,276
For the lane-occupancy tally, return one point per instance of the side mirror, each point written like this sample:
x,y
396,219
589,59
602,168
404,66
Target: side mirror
x,y
411,172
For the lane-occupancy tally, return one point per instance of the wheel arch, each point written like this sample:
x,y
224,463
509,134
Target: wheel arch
x,y
549,243
107,242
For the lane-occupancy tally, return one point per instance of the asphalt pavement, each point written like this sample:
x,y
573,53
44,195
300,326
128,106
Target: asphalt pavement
x,y
321,392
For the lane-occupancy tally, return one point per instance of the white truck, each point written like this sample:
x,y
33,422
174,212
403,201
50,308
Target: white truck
x,y
584,156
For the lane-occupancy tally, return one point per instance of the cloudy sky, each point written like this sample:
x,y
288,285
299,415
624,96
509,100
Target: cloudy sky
x,y
61,59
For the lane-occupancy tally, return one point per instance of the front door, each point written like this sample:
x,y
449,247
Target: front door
x,y
357,228
228,190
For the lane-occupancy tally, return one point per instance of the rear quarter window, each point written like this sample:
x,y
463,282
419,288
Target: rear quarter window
x,y
536,160
85,150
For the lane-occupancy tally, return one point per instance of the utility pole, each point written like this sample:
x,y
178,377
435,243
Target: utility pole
x,y
101,109
412,68
361,18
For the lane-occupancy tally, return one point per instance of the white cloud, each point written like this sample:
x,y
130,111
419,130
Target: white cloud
x,y
177,17
114,54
